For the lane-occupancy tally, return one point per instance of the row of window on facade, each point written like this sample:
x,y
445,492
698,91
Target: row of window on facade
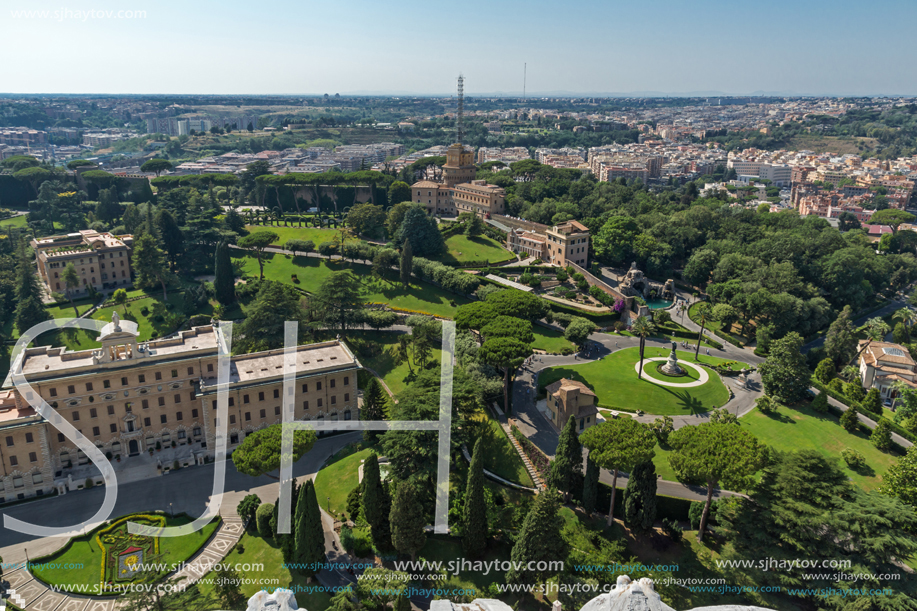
x,y
111,255
141,379
19,481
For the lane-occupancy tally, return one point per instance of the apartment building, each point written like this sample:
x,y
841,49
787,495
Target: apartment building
x,y
131,397
102,260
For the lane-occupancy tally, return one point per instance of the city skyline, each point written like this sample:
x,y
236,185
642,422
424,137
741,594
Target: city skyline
x,y
725,49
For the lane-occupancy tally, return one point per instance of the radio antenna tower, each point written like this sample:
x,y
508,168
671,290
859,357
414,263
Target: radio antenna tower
x,y
525,69
460,111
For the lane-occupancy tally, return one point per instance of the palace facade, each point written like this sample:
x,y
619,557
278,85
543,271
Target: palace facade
x,y
459,192
102,260
131,397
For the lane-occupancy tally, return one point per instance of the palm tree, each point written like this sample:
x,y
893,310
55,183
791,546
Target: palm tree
x,y
705,313
906,315
71,281
642,328
876,329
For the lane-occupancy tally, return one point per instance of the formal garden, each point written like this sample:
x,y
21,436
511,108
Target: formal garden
x,y
615,382
111,556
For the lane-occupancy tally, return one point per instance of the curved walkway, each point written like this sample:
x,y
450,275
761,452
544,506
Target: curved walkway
x,y
703,376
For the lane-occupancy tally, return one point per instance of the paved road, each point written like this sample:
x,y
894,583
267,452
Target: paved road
x,y
534,425
894,304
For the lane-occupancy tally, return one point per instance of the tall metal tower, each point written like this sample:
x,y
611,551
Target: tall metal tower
x,y
460,112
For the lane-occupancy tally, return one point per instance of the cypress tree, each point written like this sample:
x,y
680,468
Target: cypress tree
x,y
223,281
590,487
568,460
640,497
376,504
406,266
407,520
373,407
310,536
474,538
29,309
539,540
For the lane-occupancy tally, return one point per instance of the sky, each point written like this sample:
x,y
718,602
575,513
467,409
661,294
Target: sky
x,y
803,47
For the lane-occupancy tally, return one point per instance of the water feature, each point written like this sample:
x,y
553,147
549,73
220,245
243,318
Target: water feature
x,y
658,304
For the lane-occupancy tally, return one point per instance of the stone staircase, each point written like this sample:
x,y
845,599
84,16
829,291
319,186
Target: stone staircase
x,y
539,483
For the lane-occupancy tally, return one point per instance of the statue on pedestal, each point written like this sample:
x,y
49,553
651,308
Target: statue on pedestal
x,y
671,367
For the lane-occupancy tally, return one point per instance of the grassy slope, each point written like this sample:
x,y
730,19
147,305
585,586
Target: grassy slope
x,y
549,340
463,249
801,428
500,457
338,477
312,271
299,233
614,379
376,350
267,553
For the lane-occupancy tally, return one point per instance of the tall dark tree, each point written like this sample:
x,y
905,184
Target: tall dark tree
x,y
505,353
373,406
310,535
640,497
539,542
474,533
171,237
29,308
406,266
149,262
407,520
422,232
841,340
224,278
376,504
785,375
264,324
590,486
340,301
567,465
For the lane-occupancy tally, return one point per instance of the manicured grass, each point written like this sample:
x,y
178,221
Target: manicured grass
x,y
301,233
549,340
62,311
801,428
16,221
478,249
79,339
500,457
614,380
84,551
312,271
338,477
266,552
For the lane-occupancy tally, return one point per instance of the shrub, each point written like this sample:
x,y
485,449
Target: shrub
x,y
837,385
820,403
824,373
854,391
619,326
765,404
872,402
854,459
672,529
849,420
882,435
89,483
563,319
263,520
562,275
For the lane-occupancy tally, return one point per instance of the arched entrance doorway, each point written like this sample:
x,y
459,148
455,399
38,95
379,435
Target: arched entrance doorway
x,y
133,447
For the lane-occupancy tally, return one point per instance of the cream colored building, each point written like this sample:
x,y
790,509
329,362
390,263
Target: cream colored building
x,y
883,364
101,260
459,192
571,399
560,245
131,397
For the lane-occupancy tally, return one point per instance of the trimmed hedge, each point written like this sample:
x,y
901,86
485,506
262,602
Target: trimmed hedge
x,y
851,403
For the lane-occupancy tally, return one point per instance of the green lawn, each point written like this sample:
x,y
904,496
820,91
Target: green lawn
x,y
266,552
478,249
338,477
550,340
85,551
801,428
79,339
312,271
299,233
62,311
377,350
500,457
614,380
16,221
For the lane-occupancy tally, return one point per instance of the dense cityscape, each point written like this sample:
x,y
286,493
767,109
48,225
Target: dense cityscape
x,y
465,351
